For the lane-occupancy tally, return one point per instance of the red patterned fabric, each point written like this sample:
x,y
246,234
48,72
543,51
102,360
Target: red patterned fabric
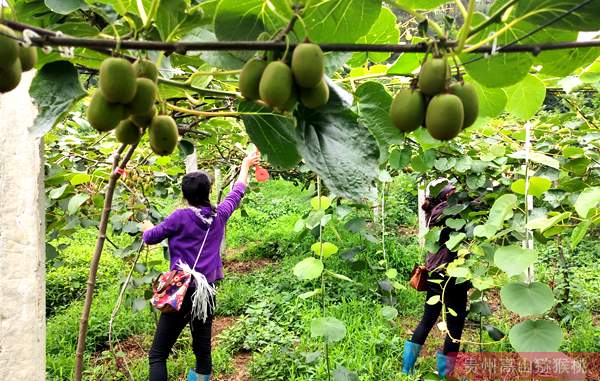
x,y
170,290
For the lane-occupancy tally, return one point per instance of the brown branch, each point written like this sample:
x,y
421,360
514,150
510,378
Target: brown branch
x,y
91,283
182,47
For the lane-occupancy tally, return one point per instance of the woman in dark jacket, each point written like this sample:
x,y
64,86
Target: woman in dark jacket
x,y
455,295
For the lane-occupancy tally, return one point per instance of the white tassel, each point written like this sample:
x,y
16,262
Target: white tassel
x,y
203,297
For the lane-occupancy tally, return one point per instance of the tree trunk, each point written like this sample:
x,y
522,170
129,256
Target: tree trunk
x,y
91,283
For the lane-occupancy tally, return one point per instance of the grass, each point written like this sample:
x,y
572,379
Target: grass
x,y
274,323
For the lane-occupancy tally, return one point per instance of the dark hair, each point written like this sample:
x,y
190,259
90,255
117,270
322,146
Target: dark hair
x,y
196,188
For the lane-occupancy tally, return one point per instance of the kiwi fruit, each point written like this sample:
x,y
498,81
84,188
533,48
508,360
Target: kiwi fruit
x,y
163,135
250,78
146,69
433,76
307,65
104,115
9,48
144,120
468,96
144,98
28,57
10,76
128,132
315,97
445,116
408,110
117,80
275,85
292,100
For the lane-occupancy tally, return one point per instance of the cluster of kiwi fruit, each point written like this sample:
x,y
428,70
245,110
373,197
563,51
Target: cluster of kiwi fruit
x,y
280,85
125,102
436,103
14,59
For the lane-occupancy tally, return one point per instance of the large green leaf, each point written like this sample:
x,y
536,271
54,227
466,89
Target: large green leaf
x,y
544,223
585,18
329,328
526,97
308,269
224,60
537,186
587,200
513,259
501,211
76,201
273,134
340,21
54,90
243,20
64,7
421,4
527,299
373,109
536,336
491,101
169,17
337,147
384,31
579,233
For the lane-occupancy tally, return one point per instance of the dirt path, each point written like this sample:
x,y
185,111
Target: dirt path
x,y
243,267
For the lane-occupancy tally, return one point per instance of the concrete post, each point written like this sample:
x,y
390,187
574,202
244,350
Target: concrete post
x,y
22,239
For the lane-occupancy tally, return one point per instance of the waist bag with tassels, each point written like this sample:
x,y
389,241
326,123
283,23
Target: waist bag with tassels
x,y
170,289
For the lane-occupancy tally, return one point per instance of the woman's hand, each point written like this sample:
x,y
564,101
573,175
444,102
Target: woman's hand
x,y
147,225
251,160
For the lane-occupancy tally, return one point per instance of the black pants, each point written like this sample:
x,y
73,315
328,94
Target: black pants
x,y
455,297
168,330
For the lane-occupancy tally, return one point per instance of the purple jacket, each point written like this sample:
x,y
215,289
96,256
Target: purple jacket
x,y
186,231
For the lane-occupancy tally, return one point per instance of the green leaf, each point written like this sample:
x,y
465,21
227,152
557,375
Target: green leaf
x,y
526,97
424,161
64,7
373,108
481,307
245,20
56,193
80,178
383,31
54,90
273,134
328,249
537,186
455,223
579,233
320,204
591,74
544,223
536,336
527,299
389,313
339,276
186,147
391,273
435,299
587,200
514,259
169,17
76,201
491,101
221,59
501,211
356,224
338,148
583,19
400,158
343,374
139,304
308,269
454,240
314,219
406,63
421,4
340,21
329,328
309,294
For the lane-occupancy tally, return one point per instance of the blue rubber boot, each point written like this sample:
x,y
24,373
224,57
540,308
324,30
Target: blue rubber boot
x,y
193,376
409,356
445,364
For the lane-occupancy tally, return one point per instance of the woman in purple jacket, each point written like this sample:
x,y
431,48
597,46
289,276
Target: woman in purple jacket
x,y
198,228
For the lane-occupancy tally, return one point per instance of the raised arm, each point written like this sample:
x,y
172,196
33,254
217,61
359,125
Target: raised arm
x,y
233,199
